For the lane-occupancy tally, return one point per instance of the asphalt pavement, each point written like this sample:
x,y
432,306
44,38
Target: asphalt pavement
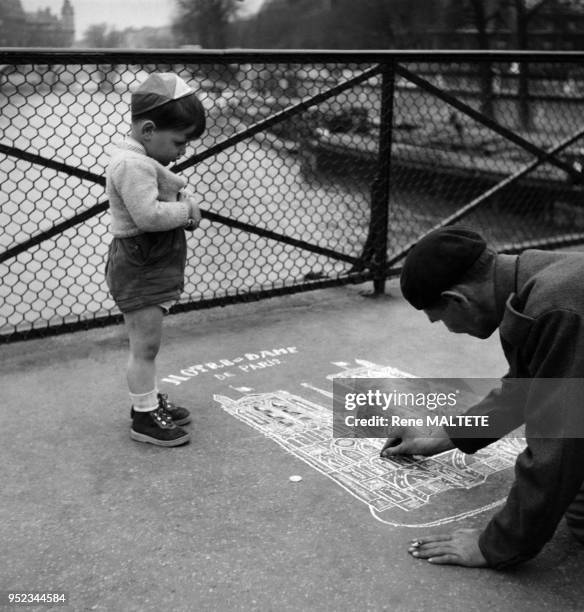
x,y
219,524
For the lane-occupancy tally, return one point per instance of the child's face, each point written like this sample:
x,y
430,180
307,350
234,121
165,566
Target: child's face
x,y
166,146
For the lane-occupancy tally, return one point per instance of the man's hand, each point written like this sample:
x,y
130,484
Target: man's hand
x,y
461,547
416,441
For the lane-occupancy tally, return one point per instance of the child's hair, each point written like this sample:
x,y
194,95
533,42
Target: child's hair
x,y
178,114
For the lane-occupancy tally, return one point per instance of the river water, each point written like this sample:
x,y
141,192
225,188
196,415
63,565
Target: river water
x,y
254,182
259,181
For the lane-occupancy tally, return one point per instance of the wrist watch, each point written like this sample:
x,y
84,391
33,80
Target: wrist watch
x,y
191,225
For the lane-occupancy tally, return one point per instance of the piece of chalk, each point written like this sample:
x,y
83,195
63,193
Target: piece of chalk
x,y
295,478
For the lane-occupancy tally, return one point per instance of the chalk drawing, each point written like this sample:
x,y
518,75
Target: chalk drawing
x,y
328,394
368,369
401,491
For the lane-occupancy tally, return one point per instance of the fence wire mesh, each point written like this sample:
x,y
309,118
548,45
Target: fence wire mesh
x,y
286,168
443,159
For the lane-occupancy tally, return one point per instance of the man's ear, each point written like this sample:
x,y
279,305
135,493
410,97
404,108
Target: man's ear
x,y
453,295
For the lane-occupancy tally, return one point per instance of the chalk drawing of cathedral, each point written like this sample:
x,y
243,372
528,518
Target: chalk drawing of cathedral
x,y
398,491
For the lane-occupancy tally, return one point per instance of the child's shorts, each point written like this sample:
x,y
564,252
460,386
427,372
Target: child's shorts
x,y
146,270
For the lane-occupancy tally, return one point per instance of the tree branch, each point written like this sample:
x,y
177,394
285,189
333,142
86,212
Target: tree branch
x,y
535,9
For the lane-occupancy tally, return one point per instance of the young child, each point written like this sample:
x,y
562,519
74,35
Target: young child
x,y
150,209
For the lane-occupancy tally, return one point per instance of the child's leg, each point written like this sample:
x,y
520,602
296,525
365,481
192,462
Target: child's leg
x,y
145,332
150,423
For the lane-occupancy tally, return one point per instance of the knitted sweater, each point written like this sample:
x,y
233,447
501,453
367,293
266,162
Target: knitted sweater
x,y
143,194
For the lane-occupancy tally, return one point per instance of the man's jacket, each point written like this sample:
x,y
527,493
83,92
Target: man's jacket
x,y
540,297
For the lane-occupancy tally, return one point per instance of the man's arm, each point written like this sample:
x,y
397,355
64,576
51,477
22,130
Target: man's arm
x,y
504,408
548,474
550,471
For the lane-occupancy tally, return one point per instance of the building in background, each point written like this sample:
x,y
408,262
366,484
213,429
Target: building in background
x,y
38,29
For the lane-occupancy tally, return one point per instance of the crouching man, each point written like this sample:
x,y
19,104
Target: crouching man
x,y
536,301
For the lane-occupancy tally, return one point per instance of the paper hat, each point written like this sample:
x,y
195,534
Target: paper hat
x,y
158,89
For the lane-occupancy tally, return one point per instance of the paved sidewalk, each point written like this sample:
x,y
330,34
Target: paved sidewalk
x,y
218,524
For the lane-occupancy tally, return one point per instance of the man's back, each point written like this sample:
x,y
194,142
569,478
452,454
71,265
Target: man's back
x,y
549,281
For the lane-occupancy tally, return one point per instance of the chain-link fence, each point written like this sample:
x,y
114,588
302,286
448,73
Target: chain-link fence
x,y
316,169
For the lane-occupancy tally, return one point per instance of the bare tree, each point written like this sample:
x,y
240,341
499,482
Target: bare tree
x,y
523,13
100,36
366,24
523,16
204,21
482,22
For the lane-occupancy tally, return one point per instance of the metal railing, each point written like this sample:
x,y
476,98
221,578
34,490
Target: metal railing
x,y
317,168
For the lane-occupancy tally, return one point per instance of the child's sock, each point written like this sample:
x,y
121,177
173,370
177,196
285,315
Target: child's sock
x,y
145,402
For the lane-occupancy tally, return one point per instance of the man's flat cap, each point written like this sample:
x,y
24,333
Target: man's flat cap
x,y
438,262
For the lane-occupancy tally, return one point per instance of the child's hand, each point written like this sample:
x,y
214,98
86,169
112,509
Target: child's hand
x,y
189,198
195,213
